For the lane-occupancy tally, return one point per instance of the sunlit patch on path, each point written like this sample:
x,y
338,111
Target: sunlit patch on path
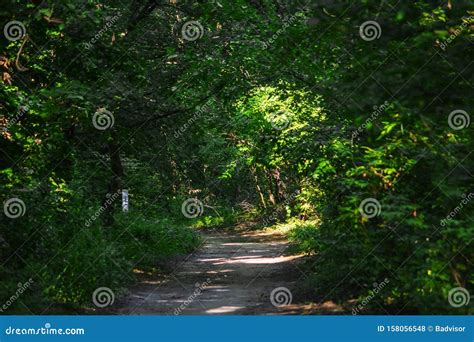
x,y
231,274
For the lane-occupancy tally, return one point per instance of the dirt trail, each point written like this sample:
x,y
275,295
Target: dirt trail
x,y
232,273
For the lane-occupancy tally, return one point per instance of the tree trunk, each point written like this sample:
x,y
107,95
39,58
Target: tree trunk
x,y
115,186
259,190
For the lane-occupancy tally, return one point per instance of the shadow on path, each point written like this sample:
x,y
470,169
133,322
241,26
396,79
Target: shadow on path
x,y
232,273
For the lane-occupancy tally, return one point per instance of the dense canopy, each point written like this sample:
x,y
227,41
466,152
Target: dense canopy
x,y
347,123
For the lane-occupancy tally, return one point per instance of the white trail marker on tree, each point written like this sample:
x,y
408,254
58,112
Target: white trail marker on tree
x,y
125,200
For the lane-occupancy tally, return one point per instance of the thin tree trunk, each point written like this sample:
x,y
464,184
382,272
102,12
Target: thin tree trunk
x,y
115,186
271,197
259,190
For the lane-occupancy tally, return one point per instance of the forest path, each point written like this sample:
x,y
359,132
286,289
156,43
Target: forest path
x,y
232,273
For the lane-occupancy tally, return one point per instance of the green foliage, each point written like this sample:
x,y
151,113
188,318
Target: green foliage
x,y
146,241
278,111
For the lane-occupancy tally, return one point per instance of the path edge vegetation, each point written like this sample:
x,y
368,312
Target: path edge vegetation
x,y
260,110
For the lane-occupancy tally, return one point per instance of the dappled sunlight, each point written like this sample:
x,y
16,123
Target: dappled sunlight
x,y
219,272
247,257
323,308
186,153
219,289
238,244
224,310
238,281
152,282
210,260
261,260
